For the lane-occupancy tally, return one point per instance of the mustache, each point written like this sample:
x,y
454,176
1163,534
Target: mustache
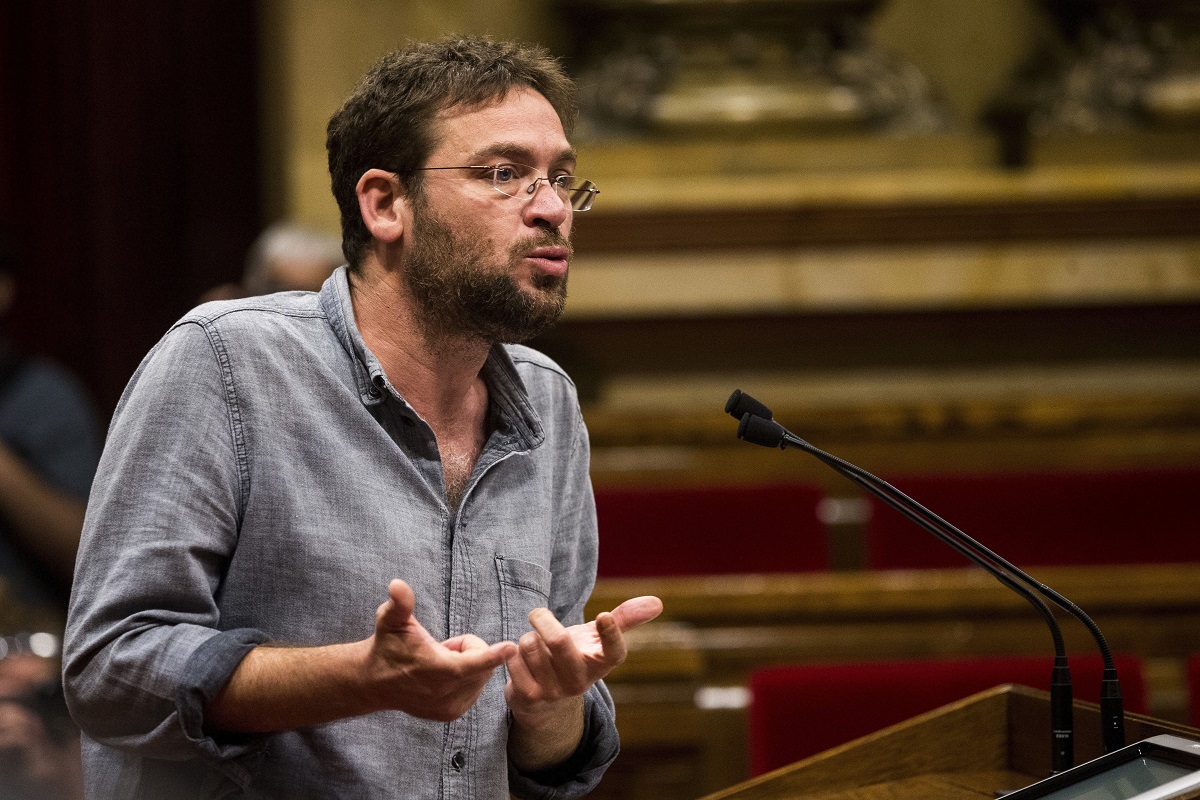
x,y
550,238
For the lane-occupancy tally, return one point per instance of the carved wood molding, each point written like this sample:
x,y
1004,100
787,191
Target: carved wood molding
x,y
901,594
845,223
929,421
717,628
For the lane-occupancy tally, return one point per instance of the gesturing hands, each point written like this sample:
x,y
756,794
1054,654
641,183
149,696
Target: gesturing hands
x,y
549,669
424,677
552,669
550,665
399,667
402,667
555,662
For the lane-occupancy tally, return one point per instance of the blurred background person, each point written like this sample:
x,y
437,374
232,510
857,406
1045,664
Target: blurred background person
x,y
286,256
49,448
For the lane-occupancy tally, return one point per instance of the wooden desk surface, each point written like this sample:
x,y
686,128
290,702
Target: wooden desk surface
x,y
992,741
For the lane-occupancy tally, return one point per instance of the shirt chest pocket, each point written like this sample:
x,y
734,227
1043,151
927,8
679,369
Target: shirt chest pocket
x,y
524,586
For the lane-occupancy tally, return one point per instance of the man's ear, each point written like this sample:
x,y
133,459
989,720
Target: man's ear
x,y
384,207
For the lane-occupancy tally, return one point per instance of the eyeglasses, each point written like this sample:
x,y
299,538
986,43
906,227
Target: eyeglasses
x,y
517,179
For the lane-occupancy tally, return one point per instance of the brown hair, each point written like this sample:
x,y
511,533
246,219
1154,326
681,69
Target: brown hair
x,y
388,120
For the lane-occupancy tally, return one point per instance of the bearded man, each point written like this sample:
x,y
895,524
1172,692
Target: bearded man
x,y
279,465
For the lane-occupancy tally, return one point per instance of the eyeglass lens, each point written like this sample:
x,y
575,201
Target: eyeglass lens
x,y
513,179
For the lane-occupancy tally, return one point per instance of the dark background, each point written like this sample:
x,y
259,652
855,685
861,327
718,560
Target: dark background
x,y
129,171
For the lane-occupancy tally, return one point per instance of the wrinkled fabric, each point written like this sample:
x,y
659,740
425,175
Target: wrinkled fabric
x,y
262,482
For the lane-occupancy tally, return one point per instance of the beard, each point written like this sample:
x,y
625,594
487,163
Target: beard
x,y
460,291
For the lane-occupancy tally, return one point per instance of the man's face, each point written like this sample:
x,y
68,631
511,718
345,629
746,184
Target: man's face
x,y
479,262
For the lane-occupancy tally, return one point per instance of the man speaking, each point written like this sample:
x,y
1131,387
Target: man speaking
x,y
280,465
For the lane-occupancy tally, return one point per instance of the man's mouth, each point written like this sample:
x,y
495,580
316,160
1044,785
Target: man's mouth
x,y
551,259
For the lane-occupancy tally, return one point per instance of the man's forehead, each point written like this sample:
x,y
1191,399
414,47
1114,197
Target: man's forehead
x,y
516,151
518,123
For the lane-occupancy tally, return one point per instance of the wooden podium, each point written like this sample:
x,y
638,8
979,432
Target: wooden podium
x,y
990,742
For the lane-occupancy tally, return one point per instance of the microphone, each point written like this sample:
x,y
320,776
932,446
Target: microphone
x,y
768,433
762,430
738,405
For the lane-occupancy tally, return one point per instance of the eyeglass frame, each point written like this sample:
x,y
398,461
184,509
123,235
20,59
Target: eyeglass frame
x,y
588,188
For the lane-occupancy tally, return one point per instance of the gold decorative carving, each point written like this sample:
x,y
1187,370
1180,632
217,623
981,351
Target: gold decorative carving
x,y
704,66
1111,66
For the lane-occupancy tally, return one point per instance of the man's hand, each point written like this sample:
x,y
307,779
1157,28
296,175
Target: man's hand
x,y
400,667
420,676
552,669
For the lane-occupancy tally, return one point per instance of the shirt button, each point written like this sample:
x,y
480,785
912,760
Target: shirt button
x,y
458,761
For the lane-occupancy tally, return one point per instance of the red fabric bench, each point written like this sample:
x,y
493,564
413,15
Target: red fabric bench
x,y
1046,519
710,530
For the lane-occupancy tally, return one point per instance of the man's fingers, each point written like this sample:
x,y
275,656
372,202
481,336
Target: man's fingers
x,y
465,642
563,652
637,611
612,640
488,657
550,630
480,653
611,627
396,616
545,623
518,672
401,602
538,674
535,654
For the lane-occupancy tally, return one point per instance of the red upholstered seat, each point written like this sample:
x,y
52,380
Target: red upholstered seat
x,y
1194,691
799,711
1046,519
710,530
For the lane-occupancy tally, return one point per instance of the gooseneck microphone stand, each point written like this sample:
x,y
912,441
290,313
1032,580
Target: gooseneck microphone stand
x,y
757,426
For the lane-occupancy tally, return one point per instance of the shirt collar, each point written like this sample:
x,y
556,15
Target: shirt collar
x,y
508,395
339,310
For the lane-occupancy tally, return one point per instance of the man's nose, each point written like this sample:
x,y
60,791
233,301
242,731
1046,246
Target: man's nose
x,y
547,206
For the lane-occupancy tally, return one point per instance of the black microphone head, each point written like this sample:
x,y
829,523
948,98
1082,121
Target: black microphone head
x,y
739,404
762,431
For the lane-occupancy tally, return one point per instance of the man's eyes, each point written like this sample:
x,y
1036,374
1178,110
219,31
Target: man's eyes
x,y
506,173
509,173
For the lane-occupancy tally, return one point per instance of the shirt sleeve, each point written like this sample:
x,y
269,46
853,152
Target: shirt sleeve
x,y
580,773
143,649
575,560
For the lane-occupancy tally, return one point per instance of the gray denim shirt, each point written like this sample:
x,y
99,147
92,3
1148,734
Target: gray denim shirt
x,y
263,481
